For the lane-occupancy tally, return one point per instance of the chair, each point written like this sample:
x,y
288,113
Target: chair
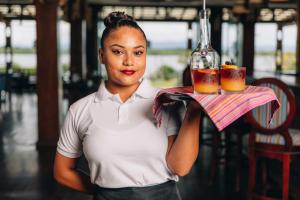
x,y
273,140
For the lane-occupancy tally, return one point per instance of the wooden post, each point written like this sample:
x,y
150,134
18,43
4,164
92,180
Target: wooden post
x,y
248,43
298,40
92,43
189,40
47,72
77,50
279,52
8,54
216,29
77,87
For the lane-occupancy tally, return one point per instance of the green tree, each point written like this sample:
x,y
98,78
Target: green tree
x,y
165,72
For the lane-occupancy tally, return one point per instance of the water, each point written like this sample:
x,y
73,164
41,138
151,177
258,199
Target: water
x,y
265,63
154,62
29,60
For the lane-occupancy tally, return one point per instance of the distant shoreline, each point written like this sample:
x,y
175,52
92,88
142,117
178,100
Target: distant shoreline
x,y
151,51
262,62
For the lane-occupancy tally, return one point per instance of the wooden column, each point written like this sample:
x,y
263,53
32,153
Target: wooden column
x,y
92,43
248,43
77,87
298,40
279,51
78,36
8,54
189,40
216,29
47,72
77,51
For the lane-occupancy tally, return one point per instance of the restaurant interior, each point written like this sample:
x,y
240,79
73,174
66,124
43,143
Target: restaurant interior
x,y
231,164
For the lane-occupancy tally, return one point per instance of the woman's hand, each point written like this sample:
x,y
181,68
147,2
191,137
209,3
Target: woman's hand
x,y
66,174
183,150
193,108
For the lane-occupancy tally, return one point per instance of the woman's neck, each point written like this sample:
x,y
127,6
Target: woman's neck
x,y
125,92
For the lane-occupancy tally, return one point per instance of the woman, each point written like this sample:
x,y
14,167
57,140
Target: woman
x,y
128,155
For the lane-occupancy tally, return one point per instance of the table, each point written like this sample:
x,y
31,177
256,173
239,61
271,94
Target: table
x,y
222,109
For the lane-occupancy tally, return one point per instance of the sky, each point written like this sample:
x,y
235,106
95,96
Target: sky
x,y
24,33
165,33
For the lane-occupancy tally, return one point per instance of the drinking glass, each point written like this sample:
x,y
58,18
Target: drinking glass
x,y
233,79
205,81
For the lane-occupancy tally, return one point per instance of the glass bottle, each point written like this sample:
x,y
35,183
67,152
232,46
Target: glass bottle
x,y
205,61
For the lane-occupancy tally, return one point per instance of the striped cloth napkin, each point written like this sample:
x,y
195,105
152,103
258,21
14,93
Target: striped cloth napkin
x,y
223,109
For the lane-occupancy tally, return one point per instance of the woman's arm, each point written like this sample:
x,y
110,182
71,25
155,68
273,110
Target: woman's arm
x,y
183,148
66,174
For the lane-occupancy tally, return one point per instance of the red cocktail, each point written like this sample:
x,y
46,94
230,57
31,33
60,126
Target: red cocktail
x,y
205,81
233,78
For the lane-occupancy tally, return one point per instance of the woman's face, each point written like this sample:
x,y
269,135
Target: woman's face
x,y
124,56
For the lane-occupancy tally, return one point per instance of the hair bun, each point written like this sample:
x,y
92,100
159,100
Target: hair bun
x,y
115,17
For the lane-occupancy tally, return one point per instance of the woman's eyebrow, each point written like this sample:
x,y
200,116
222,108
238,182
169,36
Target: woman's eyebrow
x,y
140,46
117,45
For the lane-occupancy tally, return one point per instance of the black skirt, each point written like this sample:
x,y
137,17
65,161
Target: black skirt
x,y
164,191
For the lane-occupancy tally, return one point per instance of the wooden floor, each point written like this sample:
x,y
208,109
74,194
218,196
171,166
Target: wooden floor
x,y
26,173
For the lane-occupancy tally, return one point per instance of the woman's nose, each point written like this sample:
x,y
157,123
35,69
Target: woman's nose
x,y
128,61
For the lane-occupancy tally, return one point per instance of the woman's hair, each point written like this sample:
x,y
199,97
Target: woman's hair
x,y
118,19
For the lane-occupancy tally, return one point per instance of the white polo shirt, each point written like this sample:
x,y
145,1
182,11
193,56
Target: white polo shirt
x,y
120,140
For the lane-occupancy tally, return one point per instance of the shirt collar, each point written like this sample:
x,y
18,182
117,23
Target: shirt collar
x,y
102,93
145,90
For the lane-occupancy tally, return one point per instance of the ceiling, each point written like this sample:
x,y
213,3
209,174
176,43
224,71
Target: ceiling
x,y
171,3
16,2
192,3
156,10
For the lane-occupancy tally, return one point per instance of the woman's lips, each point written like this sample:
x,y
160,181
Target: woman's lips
x,y
128,72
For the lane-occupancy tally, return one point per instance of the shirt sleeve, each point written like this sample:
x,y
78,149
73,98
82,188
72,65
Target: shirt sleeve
x,y
172,118
69,143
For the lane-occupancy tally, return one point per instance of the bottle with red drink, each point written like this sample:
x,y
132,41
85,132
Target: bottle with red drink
x,y
205,60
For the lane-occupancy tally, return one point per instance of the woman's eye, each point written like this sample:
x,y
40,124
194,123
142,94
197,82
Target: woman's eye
x,y
138,53
117,52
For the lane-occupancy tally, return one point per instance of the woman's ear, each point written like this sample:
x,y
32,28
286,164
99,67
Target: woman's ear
x,y
100,55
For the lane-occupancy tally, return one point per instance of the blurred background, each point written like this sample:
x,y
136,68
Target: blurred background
x,y
48,60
